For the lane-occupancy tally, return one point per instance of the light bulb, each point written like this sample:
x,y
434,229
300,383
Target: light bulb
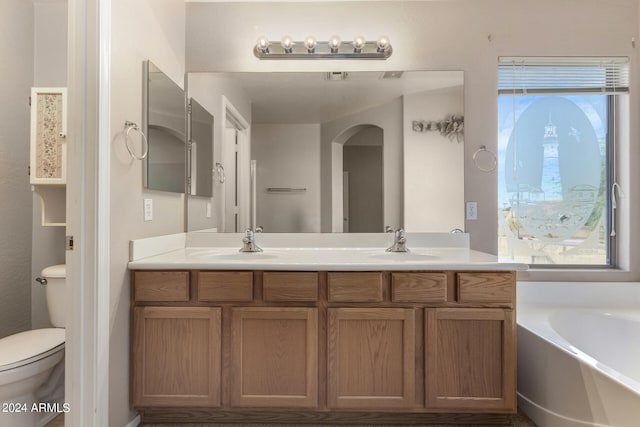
x,y
287,44
334,43
310,43
383,43
263,44
358,43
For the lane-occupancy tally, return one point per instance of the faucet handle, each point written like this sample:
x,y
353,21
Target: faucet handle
x,y
258,229
248,235
388,229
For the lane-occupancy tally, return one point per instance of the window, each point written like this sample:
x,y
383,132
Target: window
x,y
556,145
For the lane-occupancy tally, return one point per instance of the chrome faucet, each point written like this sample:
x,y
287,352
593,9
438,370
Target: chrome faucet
x,y
399,241
249,241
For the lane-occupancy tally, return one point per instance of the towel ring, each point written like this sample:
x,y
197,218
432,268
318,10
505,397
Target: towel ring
x,y
219,169
128,126
494,159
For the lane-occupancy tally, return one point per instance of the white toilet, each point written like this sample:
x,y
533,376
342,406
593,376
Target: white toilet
x,y
28,358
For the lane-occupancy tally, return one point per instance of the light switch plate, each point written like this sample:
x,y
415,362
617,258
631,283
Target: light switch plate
x,y
148,209
472,211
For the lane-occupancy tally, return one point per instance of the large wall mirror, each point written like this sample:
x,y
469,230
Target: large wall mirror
x,y
334,152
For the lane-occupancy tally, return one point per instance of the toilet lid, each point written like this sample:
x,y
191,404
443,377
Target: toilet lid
x,y
18,349
55,271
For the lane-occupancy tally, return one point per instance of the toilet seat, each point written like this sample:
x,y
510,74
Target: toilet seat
x,y
27,347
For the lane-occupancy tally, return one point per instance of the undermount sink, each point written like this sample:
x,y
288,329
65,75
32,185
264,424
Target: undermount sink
x,y
403,256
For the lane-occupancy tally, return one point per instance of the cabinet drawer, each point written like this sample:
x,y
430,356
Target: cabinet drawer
x,y
355,287
158,286
418,287
285,286
216,286
486,287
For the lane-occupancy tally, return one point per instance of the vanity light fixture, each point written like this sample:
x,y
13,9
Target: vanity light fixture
x,y
334,48
334,43
383,43
287,44
310,43
358,44
263,44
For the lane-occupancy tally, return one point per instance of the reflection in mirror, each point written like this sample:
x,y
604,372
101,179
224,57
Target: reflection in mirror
x,y
164,125
362,189
201,138
336,152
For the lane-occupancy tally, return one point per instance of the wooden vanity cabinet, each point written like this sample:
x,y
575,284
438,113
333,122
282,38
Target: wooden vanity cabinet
x,y
371,358
470,348
274,357
470,359
176,356
313,343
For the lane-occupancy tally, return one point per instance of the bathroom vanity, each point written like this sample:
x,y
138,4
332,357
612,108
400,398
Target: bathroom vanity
x,y
323,334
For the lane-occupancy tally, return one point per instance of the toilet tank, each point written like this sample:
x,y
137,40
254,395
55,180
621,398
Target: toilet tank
x,y
56,290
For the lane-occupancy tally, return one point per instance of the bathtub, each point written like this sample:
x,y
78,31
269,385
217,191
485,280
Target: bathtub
x,y
579,353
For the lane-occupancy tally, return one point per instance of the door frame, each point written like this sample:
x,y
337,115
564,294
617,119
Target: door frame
x,y
88,213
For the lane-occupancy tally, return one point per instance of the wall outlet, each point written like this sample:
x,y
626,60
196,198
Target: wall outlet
x,y
208,211
148,209
472,211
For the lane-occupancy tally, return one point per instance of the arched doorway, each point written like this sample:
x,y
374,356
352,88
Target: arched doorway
x,y
358,190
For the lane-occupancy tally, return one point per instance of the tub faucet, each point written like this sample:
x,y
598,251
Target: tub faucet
x,y
399,241
249,241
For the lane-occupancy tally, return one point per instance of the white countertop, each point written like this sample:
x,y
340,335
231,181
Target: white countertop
x,y
357,253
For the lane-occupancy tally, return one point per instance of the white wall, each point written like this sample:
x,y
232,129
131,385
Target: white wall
x,y
16,69
466,35
142,29
287,155
433,184
50,70
388,117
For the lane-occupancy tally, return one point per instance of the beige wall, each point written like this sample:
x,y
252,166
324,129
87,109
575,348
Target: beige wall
x,y
16,69
466,35
142,29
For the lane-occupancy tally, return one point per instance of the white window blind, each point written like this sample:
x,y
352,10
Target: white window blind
x,y
531,75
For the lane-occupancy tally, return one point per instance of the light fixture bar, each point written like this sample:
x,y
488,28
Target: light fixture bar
x,y
322,50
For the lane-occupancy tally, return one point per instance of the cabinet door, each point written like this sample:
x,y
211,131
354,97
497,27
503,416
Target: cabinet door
x,y
371,358
48,160
470,359
176,356
274,357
